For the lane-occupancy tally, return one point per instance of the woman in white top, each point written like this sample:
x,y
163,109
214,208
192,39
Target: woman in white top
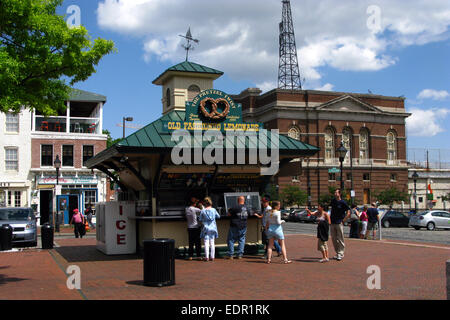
x,y
275,231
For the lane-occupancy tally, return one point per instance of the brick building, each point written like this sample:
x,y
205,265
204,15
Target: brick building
x,y
74,136
371,127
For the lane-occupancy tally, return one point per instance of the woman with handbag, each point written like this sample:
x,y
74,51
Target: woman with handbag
x,y
78,223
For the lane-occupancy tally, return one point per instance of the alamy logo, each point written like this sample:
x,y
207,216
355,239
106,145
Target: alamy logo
x,y
374,281
248,146
74,279
74,20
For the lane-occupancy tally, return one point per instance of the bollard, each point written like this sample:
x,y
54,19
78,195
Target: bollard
x,y
448,279
47,236
159,262
6,233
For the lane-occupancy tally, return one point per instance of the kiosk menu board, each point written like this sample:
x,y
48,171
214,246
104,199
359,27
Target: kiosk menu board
x,y
252,201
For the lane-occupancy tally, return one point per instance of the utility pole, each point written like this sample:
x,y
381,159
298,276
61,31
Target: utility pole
x,y
288,72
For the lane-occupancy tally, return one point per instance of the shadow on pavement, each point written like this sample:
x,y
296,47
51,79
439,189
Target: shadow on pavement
x,y
89,254
308,259
136,283
4,279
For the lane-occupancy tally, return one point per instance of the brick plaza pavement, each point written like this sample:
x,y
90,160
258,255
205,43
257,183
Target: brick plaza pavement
x,y
408,271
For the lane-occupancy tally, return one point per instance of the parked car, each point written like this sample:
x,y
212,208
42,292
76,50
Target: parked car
x,y
285,215
432,219
304,216
23,222
394,218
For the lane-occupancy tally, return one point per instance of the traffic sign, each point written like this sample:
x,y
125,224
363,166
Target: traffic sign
x,y
334,170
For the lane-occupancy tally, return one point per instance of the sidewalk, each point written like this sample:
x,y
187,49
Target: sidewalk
x,y
408,271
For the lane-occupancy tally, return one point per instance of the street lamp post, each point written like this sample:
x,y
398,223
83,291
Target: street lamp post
x,y
57,164
129,119
415,176
341,152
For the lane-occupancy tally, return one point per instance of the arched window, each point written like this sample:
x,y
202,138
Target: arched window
x,y
329,145
391,140
294,133
347,142
364,145
193,91
168,98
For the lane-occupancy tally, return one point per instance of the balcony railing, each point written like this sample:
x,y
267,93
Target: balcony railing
x,y
59,124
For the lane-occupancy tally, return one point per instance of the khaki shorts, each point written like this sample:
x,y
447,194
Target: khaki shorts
x,y
372,226
322,245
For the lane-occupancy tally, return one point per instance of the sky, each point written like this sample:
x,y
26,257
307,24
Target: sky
x,y
390,47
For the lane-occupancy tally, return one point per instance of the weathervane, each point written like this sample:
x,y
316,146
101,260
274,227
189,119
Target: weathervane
x,y
188,46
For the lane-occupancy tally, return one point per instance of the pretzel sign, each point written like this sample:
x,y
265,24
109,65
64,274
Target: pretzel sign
x,y
214,114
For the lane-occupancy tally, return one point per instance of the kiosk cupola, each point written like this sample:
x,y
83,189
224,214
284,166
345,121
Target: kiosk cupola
x,y
182,82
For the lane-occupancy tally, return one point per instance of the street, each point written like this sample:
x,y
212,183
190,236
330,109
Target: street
x,y
409,234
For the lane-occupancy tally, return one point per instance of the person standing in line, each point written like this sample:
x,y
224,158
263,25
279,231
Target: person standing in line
x,y
323,230
354,222
275,231
372,214
340,212
89,212
78,223
194,229
266,211
209,232
238,228
364,219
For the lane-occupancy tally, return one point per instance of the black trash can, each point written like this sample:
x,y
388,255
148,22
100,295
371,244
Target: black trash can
x,y
6,234
159,262
47,236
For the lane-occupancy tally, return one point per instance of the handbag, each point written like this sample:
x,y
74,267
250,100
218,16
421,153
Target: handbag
x,y
353,216
82,229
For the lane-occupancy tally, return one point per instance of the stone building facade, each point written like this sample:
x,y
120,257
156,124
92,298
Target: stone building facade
x,y
371,127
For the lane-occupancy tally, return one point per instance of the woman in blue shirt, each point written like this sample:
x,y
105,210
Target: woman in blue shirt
x,y
209,233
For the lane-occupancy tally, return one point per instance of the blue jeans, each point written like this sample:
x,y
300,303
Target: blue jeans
x,y
236,234
277,246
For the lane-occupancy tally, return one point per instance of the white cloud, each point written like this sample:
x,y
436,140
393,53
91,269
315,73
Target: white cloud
x,y
433,94
241,37
426,123
326,87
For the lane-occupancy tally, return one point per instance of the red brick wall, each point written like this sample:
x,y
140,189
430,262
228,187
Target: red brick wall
x,y
57,149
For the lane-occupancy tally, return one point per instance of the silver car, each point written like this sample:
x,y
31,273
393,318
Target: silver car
x,y
23,222
433,219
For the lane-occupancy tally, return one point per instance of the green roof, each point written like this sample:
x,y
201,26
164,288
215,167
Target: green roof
x,y
153,136
153,139
188,66
81,95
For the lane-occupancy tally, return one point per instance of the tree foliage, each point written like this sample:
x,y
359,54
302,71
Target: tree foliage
x,y
110,141
325,198
390,196
39,54
292,195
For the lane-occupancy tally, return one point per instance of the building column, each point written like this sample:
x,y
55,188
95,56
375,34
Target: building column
x,y
100,123
68,117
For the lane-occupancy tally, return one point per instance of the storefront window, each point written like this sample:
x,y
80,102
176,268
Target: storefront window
x,y
11,159
67,158
89,198
46,155
12,122
9,198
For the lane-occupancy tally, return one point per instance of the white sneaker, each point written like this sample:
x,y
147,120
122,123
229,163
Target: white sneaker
x,y
324,260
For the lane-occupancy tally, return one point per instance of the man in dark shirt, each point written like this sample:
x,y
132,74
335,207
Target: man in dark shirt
x,y
372,214
340,212
238,228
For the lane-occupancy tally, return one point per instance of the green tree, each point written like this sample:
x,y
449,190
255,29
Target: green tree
x,y
110,141
273,193
390,196
292,195
39,54
325,198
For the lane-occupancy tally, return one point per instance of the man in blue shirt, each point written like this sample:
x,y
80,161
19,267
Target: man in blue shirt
x,y
373,216
238,228
340,212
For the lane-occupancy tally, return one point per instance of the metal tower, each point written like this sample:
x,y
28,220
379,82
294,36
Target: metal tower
x,y
288,72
